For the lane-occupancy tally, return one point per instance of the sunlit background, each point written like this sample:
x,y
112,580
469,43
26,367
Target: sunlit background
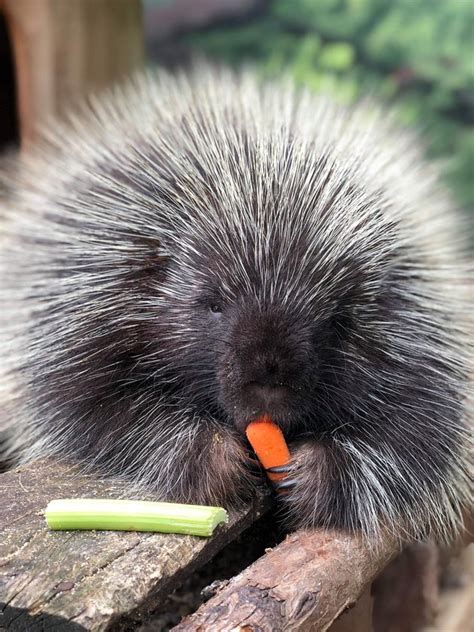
x,y
415,53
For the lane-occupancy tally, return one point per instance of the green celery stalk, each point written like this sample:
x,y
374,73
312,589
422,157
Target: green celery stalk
x,y
133,515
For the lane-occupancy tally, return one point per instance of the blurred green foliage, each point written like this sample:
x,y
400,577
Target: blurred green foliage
x,y
416,53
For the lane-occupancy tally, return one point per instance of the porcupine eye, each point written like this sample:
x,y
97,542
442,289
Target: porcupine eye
x,y
216,309
213,304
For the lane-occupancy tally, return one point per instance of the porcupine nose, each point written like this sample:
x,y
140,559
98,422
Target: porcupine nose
x,y
267,383
265,356
267,367
271,367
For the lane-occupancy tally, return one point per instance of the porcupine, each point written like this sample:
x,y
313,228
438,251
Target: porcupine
x,y
190,252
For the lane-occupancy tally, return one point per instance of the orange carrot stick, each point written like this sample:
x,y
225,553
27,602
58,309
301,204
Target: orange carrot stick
x,y
269,445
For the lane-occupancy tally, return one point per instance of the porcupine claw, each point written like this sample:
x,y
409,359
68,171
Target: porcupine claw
x,y
279,469
256,470
285,484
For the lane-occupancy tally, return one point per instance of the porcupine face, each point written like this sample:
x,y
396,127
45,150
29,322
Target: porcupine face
x,y
247,354
267,314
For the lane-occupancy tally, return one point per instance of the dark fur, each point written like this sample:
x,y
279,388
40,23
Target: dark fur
x,y
151,329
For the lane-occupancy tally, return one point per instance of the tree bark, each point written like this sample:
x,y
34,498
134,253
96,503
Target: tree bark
x,y
303,584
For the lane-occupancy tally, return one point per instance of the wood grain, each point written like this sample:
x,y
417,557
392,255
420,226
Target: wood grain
x,y
66,49
306,583
92,579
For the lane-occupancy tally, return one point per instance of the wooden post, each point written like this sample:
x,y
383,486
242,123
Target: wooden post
x,y
64,49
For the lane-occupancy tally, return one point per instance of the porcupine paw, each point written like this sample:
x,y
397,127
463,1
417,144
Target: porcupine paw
x,y
308,487
226,473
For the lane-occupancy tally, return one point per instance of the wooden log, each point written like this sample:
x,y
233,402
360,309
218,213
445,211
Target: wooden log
x,y
64,49
304,584
88,580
